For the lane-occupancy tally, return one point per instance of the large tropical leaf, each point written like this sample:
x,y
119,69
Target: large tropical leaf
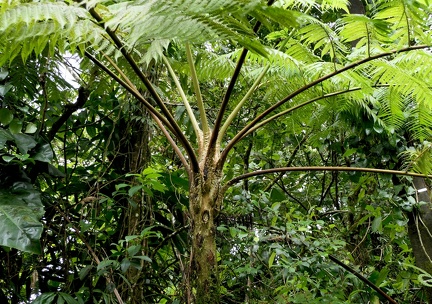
x,y
20,212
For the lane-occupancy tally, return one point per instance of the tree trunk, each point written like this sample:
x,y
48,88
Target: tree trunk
x,y
205,199
419,228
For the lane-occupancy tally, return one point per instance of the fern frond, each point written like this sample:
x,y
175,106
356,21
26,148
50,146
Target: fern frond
x,y
31,27
407,20
323,39
366,31
182,20
418,159
389,73
391,107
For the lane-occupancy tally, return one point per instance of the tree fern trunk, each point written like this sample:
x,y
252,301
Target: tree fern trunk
x,y
204,203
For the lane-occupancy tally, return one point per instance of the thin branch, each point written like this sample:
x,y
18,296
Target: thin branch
x,y
179,134
83,94
290,160
261,116
195,82
92,252
365,280
224,105
168,237
155,114
184,98
322,168
283,188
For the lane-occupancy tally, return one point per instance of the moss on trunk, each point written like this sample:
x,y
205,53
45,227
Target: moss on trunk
x,y
205,197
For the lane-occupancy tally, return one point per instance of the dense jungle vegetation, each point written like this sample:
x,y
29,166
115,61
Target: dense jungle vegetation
x,y
215,151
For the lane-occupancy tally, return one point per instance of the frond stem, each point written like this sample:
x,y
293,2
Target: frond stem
x,y
259,125
224,105
184,98
195,82
261,116
320,168
157,117
178,133
234,113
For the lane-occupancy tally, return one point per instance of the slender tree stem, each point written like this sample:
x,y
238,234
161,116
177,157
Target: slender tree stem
x,y
195,82
358,275
261,116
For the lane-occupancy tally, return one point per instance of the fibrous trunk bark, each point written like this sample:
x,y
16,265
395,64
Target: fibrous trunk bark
x,y
419,230
205,198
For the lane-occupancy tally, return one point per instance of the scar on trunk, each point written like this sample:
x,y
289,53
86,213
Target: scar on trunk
x,y
205,216
200,239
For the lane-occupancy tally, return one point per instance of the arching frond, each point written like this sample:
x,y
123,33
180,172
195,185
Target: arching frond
x,y
142,25
407,21
323,39
364,30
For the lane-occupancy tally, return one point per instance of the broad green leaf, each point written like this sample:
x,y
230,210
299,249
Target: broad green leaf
x,y
30,128
132,250
67,298
125,264
45,298
129,238
6,116
5,135
134,190
3,74
15,126
20,212
44,153
377,224
24,142
5,88
143,257
85,271
8,158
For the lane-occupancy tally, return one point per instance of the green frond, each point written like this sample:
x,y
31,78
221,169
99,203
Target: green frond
x,y
384,72
324,5
366,31
323,39
140,22
32,27
419,121
418,159
335,5
407,20
216,67
391,107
